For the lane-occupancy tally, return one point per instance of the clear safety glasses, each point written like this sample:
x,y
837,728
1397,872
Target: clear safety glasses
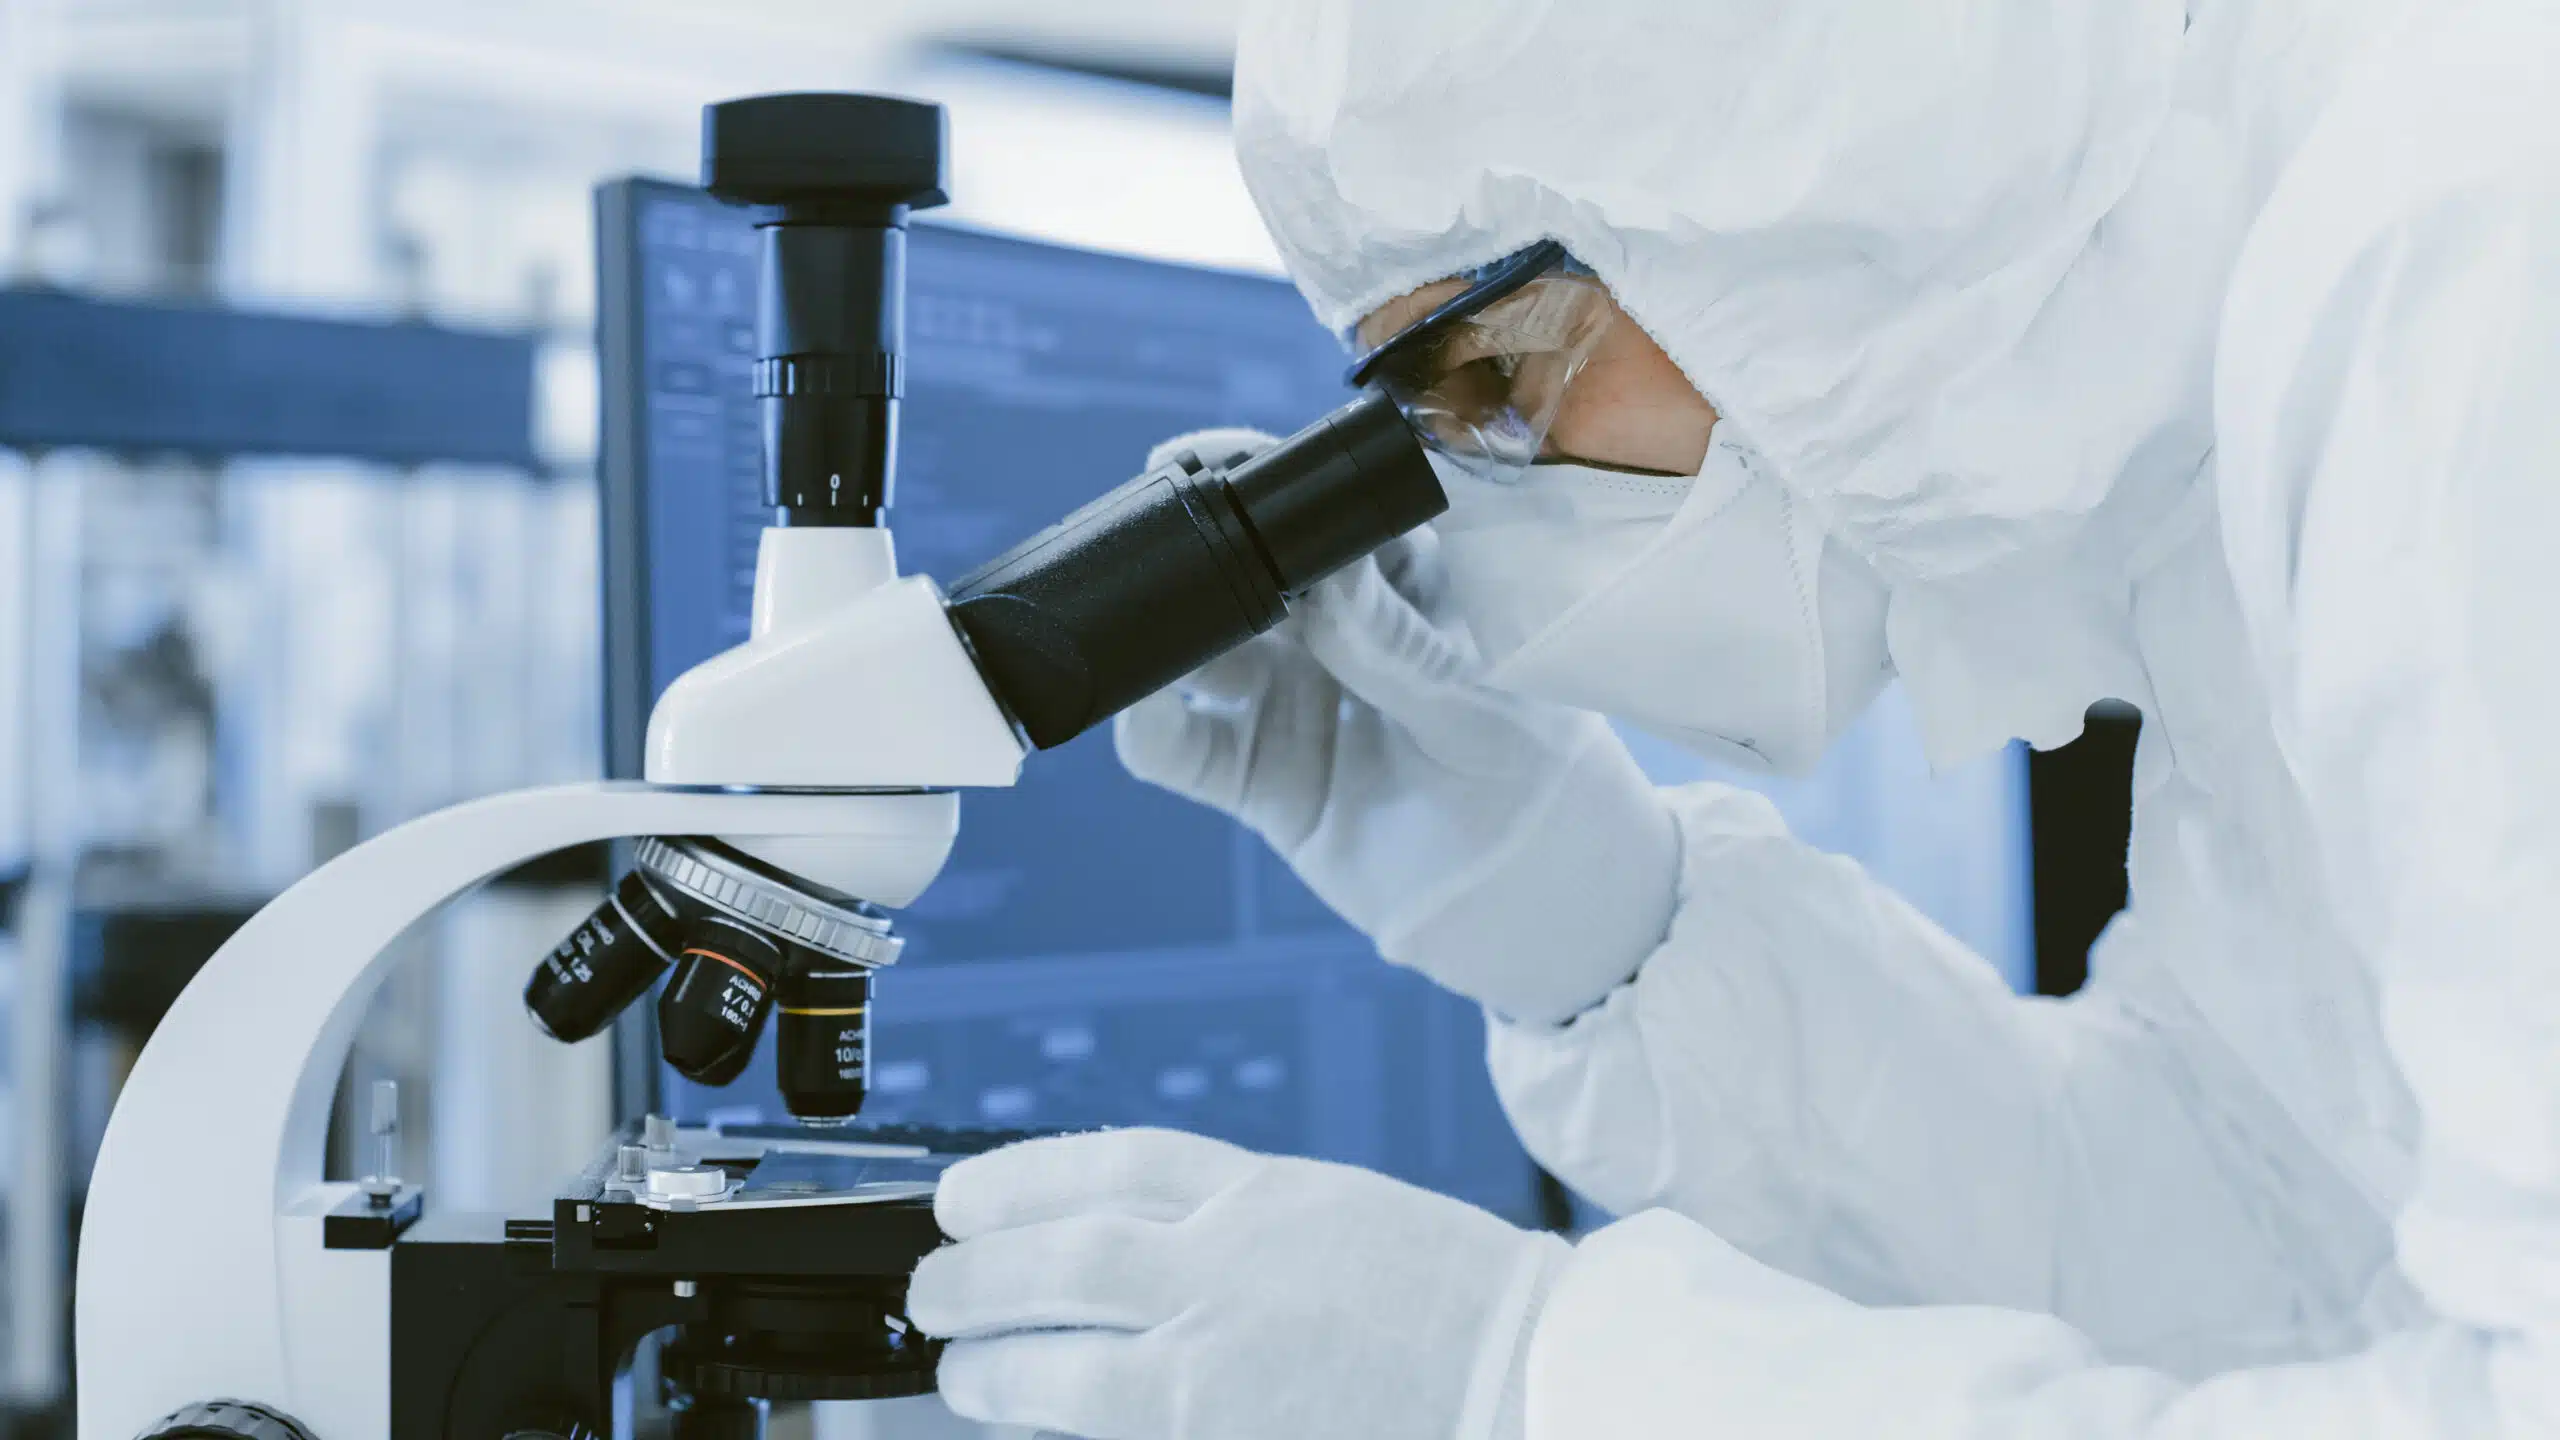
x,y
1481,377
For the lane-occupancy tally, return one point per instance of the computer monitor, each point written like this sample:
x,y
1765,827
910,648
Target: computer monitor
x,y
1097,951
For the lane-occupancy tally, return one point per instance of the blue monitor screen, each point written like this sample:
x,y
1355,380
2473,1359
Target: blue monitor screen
x,y
1097,951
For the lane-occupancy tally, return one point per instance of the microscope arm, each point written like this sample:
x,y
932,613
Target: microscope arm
x,y
201,1270
203,1267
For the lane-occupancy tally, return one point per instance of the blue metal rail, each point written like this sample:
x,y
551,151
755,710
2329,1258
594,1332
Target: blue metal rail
x,y
202,380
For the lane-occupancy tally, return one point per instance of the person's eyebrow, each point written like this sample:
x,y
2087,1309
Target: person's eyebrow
x,y
1391,318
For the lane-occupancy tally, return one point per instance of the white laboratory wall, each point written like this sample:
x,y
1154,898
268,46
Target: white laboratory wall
x,y
30,66
48,706
16,615
1095,163
28,118
147,711
506,1114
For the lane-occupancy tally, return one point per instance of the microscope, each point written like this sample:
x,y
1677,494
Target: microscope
x,y
800,788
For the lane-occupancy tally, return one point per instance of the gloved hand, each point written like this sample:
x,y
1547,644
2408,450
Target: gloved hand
x,y
1152,1285
1507,847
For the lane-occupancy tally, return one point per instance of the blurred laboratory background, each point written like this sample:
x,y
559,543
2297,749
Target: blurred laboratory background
x,y
304,532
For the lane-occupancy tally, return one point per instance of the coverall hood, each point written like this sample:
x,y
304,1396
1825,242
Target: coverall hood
x,y
1864,233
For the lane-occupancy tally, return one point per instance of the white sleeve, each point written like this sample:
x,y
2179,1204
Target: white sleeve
x,y
1814,1071
2390,461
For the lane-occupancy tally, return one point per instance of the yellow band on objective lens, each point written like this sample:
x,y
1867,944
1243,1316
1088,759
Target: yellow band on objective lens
x,y
851,1010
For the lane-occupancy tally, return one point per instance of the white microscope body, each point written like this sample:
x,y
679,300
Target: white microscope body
x,y
828,746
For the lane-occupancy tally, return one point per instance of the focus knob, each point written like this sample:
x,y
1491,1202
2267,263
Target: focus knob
x,y
226,1420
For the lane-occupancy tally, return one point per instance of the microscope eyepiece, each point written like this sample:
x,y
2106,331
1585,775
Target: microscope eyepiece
x,y
816,153
1184,563
832,179
1336,490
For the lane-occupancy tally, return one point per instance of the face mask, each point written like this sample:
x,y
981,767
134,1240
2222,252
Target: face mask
x,y
1711,611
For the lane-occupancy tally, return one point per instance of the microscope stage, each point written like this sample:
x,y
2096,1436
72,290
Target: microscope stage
x,y
847,1202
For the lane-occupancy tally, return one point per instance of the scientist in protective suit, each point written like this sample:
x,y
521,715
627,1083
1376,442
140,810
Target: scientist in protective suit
x,y
2204,355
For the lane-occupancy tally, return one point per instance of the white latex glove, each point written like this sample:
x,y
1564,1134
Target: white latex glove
x,y
1152,1285
1507,847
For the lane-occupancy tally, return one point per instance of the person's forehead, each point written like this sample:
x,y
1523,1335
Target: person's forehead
x,y
1382,324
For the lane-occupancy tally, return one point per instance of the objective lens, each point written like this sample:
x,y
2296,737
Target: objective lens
x,y
613,956
822,1038
714,1008
742,938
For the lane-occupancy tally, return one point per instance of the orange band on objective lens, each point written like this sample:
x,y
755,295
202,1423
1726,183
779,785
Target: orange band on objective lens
x,y
725,960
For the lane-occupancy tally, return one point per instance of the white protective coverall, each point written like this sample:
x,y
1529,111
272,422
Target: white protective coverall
x,y
2202,355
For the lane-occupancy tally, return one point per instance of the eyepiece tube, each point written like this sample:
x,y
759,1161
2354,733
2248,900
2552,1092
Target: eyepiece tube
x,y
1184,563
832,179
1336,490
